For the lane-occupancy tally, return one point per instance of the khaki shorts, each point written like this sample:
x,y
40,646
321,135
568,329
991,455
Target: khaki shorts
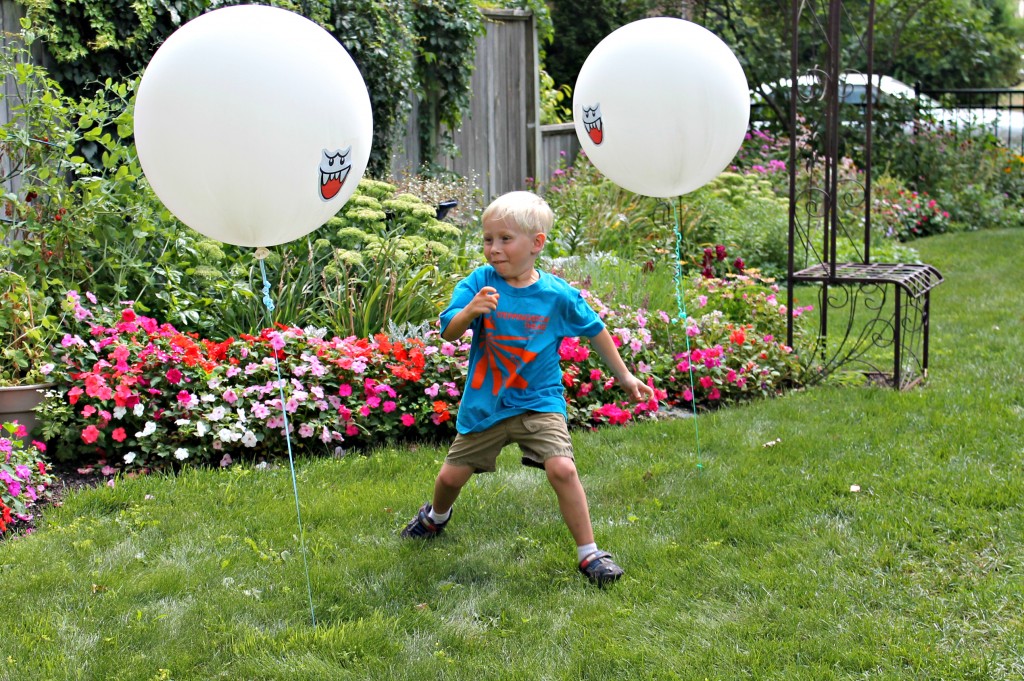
x,y
540,436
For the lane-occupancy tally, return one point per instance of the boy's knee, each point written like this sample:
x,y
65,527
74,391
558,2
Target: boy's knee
x,y
560,470
454,476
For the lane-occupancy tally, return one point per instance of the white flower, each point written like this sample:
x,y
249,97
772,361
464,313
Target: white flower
x,y
217,414
119,412
182,422
208,398
201,428
226,435
181,454
147,429
249,439
139,409
130,457
213,383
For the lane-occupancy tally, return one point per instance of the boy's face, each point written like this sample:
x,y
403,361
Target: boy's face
x,y
509,250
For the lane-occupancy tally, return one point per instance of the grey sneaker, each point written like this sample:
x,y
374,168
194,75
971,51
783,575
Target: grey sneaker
x,y
600,568
422,527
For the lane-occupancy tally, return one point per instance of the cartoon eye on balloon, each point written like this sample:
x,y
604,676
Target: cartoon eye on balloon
x,y
253,125
661,106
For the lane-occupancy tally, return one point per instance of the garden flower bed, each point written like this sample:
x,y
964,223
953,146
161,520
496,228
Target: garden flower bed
x,y
137,394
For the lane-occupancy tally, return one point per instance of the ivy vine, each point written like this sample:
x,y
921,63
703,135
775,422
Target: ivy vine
x,y
446,34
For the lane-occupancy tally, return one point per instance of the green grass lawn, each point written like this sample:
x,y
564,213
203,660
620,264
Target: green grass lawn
x,y
760,564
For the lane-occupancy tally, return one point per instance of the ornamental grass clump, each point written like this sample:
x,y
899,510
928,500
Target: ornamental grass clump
x,y
24,475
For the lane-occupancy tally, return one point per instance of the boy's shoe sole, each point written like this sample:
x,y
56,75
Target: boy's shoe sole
x,y
600,569
422,527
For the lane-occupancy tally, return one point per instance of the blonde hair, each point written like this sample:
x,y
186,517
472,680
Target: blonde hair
x,y
528,211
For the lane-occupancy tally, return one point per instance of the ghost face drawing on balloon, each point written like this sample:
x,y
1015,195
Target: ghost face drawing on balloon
x,y
593,124
334,168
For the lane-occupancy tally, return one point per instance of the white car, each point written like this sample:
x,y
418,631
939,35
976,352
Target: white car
x,y
1005,124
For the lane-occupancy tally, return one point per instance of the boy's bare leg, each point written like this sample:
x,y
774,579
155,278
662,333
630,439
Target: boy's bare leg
x,y
572,500
448,484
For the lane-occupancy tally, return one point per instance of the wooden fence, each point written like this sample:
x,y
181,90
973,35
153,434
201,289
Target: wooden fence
x,y
500,135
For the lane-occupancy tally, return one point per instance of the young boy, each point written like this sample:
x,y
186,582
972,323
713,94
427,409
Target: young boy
x,y
514,393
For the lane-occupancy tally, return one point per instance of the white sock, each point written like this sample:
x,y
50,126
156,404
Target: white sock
x,y
584,551
439,517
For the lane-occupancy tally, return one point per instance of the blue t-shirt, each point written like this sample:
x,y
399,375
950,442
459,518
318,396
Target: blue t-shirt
x,y
513,360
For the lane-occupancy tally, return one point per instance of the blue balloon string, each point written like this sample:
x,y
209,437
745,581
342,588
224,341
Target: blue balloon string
x,y
681,318
288,439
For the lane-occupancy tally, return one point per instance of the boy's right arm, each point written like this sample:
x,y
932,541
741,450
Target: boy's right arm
x,y
485,300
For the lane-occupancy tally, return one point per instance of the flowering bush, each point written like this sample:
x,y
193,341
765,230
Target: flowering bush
x,y
24,474
140,393
736,351
907,215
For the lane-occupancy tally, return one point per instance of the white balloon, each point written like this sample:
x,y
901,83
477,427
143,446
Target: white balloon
x,y
661,106
253,125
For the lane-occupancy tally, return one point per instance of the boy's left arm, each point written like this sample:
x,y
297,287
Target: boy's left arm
x,y
634,387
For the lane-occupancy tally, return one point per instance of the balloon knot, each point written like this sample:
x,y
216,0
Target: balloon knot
x,y
261,253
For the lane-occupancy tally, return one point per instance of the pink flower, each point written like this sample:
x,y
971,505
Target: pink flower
x,y
706,381
345,390
447,349
432,390
277,341
90,434
118,435
714,394
351,430
688,395
184,398
408,420
173,376
373,402
306,430
595,374
389,407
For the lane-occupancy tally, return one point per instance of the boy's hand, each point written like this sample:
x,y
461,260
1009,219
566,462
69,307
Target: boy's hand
x,y
485,300
637,390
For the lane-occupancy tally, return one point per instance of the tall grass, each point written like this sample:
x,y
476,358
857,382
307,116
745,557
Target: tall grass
x,y
761,563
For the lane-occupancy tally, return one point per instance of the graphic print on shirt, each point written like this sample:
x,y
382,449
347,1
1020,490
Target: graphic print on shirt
x,y
503,357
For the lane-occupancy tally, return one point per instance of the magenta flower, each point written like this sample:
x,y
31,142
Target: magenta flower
x,y
408,420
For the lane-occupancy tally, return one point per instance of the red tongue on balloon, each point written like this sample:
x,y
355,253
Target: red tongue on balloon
x,y
596,135
330,189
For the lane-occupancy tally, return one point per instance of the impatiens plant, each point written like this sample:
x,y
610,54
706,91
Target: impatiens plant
x,y
137,394
24,474
140,393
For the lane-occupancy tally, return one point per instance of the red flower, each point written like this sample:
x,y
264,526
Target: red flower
x,y
119,435
737,337
128,315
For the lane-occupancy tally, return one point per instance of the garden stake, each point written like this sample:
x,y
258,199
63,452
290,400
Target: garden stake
x,y
262,253
681,304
